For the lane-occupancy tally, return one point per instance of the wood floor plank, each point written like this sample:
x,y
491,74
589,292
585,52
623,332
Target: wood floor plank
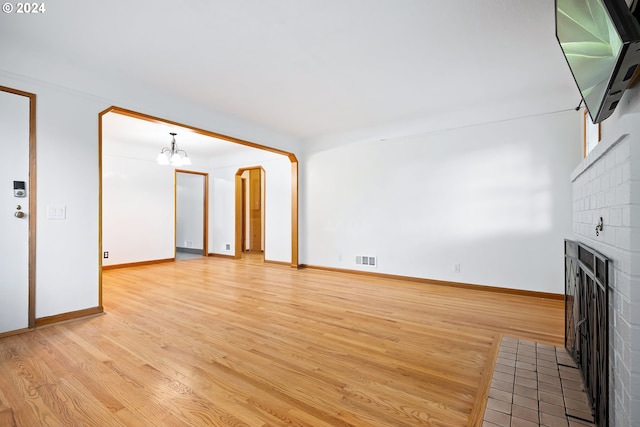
x,y
20,396
6,418
223,342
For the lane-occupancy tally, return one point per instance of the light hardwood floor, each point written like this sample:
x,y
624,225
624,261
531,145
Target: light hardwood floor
x,y
220,342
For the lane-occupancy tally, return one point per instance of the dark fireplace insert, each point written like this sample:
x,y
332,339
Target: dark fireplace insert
x,y
586,335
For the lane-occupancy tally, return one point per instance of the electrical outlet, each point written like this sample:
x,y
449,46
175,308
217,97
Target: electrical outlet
x,y
456,268
105,255
227,247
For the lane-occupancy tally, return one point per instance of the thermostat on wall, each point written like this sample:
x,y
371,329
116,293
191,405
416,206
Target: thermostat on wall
x,y
19,189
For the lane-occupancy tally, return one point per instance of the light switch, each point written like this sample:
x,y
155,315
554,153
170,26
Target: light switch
x,y
56,212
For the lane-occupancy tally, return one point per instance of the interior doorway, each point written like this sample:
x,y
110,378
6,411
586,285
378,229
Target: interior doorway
x,y
109,135
191,204
250,211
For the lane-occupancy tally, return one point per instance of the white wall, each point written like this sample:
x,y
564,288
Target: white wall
x,y
278,209
138,203
277,229
67,170
137,206
222,210
190,211
607,185
67,174
494,198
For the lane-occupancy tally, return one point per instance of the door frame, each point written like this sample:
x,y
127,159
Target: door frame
x,y
240,212
32,205
205,225
243,214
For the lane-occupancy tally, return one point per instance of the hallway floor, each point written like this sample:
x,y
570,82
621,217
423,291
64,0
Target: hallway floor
x,y
183,255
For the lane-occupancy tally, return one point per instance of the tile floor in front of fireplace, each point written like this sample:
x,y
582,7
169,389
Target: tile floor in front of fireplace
x,y
536,385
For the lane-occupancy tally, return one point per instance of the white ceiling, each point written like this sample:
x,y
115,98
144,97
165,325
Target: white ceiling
x,y
120,129
312,68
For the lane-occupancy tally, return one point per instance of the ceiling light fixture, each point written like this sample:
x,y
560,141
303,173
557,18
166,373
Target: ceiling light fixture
x,y
173,155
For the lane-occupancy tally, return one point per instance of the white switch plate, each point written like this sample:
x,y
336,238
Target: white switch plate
x,y
56,212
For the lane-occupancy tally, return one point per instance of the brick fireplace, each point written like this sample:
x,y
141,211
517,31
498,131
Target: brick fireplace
x,y
606,185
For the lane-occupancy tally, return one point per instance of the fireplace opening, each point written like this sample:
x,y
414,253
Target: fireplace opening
x,y
586,336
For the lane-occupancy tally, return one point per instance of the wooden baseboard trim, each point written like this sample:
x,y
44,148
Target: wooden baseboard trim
x,y
16,332
534,294
72,315
212,254
137,264
269,261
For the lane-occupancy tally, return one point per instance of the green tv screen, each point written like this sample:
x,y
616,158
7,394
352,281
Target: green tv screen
x,y
594,36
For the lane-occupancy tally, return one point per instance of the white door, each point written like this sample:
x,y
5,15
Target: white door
x,y
14,240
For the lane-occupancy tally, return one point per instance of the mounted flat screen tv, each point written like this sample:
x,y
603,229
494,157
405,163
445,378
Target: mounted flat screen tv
x,y
600,40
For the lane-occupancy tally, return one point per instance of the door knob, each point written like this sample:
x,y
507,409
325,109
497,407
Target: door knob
x,y
19,214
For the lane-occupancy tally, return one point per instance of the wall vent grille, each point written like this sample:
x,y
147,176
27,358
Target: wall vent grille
x,y
369,261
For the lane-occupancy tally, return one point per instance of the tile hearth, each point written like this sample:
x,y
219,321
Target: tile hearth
x,y
536,385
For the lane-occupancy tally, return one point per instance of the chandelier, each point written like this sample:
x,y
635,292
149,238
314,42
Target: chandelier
x,y
173,155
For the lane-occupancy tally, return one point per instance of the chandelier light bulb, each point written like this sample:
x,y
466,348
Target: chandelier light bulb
x,y
162,159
